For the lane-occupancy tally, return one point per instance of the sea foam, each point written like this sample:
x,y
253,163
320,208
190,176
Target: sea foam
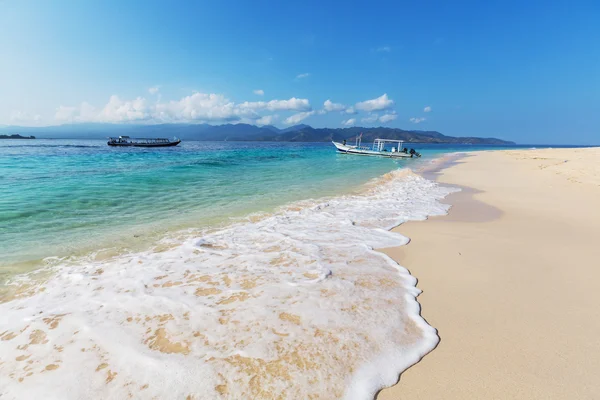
x,y
296,304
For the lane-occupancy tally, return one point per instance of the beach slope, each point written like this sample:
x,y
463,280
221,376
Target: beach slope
x,y
511,279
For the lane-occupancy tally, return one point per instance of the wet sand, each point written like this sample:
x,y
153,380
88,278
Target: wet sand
x,y
510,279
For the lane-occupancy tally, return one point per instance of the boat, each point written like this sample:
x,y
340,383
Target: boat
x,y
126,141
377,149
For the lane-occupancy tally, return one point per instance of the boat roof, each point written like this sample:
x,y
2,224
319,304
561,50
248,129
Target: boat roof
x,y
389,140
127,137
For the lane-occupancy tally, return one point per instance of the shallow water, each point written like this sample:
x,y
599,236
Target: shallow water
x,y
296,303
65,197
255,273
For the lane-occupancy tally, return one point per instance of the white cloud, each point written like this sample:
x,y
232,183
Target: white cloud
x,y
302,76
259,92
297,118
84,113
266,120
385,49
417,120
370,119
292,104
201,107
378,104
349,122
350,110
153,90
20,116
198,107
330,106
65,113
427,109
388,117
118,110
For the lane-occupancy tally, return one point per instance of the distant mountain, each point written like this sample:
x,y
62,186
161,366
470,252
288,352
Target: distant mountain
x,y
286,130
369,134
272,128
243,132
294,128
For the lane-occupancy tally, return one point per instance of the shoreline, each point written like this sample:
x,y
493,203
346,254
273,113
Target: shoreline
x,y
109,239
511,285
296,293
471,209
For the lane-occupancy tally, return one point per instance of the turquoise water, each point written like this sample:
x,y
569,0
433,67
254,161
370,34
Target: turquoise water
x,y
214,298
64,197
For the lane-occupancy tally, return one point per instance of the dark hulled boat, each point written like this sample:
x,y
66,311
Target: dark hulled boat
x,y
126,141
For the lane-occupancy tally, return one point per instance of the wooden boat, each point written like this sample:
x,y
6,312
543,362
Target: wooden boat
x,y
126,141
377,149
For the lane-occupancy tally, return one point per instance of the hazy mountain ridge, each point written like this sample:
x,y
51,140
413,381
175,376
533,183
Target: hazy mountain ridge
x,y
243,132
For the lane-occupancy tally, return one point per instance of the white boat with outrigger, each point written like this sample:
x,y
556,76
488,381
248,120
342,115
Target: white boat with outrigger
x,y
377,149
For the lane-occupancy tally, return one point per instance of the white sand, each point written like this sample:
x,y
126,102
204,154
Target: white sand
x,y
511,280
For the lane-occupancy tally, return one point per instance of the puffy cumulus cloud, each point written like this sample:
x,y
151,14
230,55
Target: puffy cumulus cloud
x,y
153,90
201,107
350,110
331,106
427,109
378,104
370,119
297,118
302,76
385,118
349,122
197,107
292,104
266,120
259,92
20,116
417,120
118,110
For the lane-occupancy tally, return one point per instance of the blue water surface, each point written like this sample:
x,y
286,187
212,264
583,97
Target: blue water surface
x,y
60,197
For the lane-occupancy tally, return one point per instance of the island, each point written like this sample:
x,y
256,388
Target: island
x,y
16,136
247,133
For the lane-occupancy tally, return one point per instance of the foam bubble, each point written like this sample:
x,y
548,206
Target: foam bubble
x,y
294,304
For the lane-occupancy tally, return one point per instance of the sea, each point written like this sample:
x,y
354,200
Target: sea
x,y
208,270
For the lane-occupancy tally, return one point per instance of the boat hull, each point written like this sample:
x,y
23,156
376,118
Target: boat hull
x,y
345,149
169,144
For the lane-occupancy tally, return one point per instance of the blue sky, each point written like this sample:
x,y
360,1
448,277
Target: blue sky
x,y
524,71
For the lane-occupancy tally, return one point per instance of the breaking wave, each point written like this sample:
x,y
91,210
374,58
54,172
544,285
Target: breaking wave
x,y
296,304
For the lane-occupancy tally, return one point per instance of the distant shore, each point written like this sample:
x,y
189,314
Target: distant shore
x,y
512,283
17,136
250,133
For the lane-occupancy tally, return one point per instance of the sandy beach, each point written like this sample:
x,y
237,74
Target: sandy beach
x,y
510,279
